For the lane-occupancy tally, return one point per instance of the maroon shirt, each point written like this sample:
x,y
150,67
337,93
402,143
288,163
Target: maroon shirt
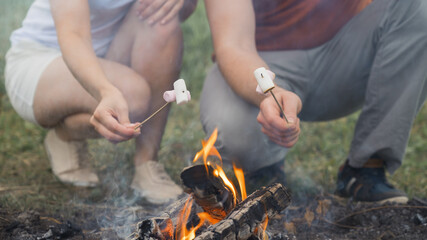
x,y
301,24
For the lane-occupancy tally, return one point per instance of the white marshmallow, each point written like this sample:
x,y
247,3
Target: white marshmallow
x,y
264,79
181,93
258,90
169,96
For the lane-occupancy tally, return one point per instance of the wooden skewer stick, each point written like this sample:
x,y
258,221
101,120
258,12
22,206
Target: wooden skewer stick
x,y
280,106
152,115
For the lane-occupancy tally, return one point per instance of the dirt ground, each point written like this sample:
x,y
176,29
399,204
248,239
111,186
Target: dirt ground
x,y
322,217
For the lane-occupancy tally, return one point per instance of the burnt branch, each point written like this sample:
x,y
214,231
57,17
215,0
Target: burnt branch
x,y
208,190
242,222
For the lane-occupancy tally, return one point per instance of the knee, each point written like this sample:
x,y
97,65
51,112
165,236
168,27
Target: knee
x,y
416,18
138,96
422,18
233,143
249,149
164,35
170,29
240,140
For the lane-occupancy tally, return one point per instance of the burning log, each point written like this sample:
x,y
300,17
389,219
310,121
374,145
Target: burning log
x,y
162,227
223,217
208,190
156,228
244,220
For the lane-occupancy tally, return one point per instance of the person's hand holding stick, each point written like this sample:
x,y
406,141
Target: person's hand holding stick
x,y
266,84
271,122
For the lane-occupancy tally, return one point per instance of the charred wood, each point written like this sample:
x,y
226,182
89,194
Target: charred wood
x,y
164,226
243,221
208,190
160,228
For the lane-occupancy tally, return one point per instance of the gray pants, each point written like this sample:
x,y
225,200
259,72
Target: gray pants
x,y
377,62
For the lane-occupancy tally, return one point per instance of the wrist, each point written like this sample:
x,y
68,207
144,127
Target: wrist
x,y
106,91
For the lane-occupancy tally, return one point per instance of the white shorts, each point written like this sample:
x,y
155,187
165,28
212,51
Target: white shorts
x,y
25,63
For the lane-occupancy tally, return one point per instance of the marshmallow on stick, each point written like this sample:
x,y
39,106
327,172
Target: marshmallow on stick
x,y
265,81
266,84
180,94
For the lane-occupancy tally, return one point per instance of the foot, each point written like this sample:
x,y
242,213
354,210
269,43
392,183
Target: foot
x,y
66,159
265,176
367,184
153,183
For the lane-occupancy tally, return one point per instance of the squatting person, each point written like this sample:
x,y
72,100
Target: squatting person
x,y
90,68
331,58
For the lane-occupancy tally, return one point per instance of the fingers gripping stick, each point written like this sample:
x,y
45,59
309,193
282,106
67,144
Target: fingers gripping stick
x,y
265,84
180,94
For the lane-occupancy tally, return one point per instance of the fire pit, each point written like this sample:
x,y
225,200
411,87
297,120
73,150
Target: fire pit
x,y
210,212
216,216
221,211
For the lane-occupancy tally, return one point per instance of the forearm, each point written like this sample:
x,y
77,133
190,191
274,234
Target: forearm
x,y
80,58
233,37
237,66
72,22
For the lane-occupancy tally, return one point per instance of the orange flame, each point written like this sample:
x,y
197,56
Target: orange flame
x,y
208,149
184,234
219,172
241,179
264,228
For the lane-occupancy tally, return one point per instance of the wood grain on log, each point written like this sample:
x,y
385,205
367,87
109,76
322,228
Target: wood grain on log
x,y
243,220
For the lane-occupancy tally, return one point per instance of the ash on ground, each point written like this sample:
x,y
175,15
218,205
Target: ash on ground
x,y
322,217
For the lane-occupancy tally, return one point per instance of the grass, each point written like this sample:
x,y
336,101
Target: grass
x,y
26,181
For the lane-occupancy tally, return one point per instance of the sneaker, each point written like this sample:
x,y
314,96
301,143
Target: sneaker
x,y
367,184
153,183
66,159
265,176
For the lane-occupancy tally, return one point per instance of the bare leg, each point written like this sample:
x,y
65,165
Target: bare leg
x,y
142,62
61,102
155,52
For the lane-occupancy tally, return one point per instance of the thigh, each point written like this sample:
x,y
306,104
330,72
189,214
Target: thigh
x,y
138,43
239,135
59,94
154,52
25,63
340,69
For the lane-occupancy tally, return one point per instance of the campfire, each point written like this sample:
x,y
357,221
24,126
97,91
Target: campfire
x,y
215,208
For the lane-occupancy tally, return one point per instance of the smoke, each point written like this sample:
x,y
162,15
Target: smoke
x,y
119,208
303,187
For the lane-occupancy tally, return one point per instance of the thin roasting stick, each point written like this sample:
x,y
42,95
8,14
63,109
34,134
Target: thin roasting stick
x,y
280,106
152,115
